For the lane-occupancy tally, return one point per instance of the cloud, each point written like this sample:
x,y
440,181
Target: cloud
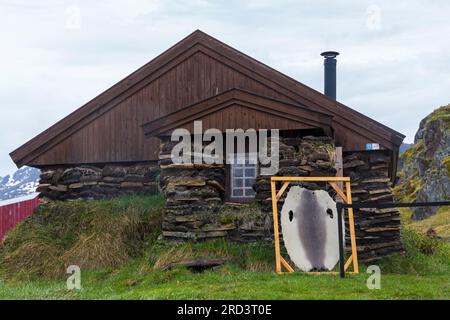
x,y
395,72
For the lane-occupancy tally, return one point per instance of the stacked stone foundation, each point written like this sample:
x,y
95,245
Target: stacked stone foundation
x,y
299,157
93,181
377,230
196,207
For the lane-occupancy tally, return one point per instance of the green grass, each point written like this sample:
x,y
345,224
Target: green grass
x,y
417,275
91,234
424,256
422,273
439,222
229,282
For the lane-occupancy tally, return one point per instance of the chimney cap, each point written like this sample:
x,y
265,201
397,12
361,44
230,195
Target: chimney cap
x,y
329,54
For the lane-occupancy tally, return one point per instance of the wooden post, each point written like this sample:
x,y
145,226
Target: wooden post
x,y
339,165
340,241
352,228
339,191
275,227
283,188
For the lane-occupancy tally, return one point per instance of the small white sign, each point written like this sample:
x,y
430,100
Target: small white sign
x,y
372,146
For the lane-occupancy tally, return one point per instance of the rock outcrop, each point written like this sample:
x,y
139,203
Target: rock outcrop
x,y
424,169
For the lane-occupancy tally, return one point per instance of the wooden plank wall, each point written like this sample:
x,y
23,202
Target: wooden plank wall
x,y
248,118
117,135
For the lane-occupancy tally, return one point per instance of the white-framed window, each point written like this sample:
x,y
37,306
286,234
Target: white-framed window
x,y
244,170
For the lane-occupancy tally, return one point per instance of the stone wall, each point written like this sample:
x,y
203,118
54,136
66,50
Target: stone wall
x,y
377,230
195,194
299,157
98,181
195,197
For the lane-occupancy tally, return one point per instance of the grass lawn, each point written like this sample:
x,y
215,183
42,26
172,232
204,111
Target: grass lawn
x,y
229,283
132,267
414,276
439,222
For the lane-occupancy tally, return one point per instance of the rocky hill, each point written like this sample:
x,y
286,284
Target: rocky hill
x,y
424,169
21,183
405,146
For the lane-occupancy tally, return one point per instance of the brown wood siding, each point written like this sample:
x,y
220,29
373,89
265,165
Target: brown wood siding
x,y
237,116
195,68
265,109
117,135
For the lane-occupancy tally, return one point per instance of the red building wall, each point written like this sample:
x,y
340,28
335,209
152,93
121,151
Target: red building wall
x,y
11,213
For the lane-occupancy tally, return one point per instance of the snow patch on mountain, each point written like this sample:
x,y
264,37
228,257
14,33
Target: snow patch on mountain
x,y
21,183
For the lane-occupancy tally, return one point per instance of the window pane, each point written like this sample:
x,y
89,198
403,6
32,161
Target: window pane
x,y
250,172
244,172
238,183
249,192
249,182
238,172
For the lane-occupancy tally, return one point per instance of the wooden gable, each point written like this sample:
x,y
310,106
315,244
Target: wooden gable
x,y
109,127
240,109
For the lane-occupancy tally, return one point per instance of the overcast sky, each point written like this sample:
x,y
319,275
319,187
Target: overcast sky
x,y
55,55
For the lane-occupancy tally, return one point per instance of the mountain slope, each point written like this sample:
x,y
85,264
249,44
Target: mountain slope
x,y
405,146
22,182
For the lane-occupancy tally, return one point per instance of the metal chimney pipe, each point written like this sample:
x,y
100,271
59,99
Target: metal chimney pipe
x,y
330,73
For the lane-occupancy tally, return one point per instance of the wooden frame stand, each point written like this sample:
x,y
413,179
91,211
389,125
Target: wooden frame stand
x,y
346,196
